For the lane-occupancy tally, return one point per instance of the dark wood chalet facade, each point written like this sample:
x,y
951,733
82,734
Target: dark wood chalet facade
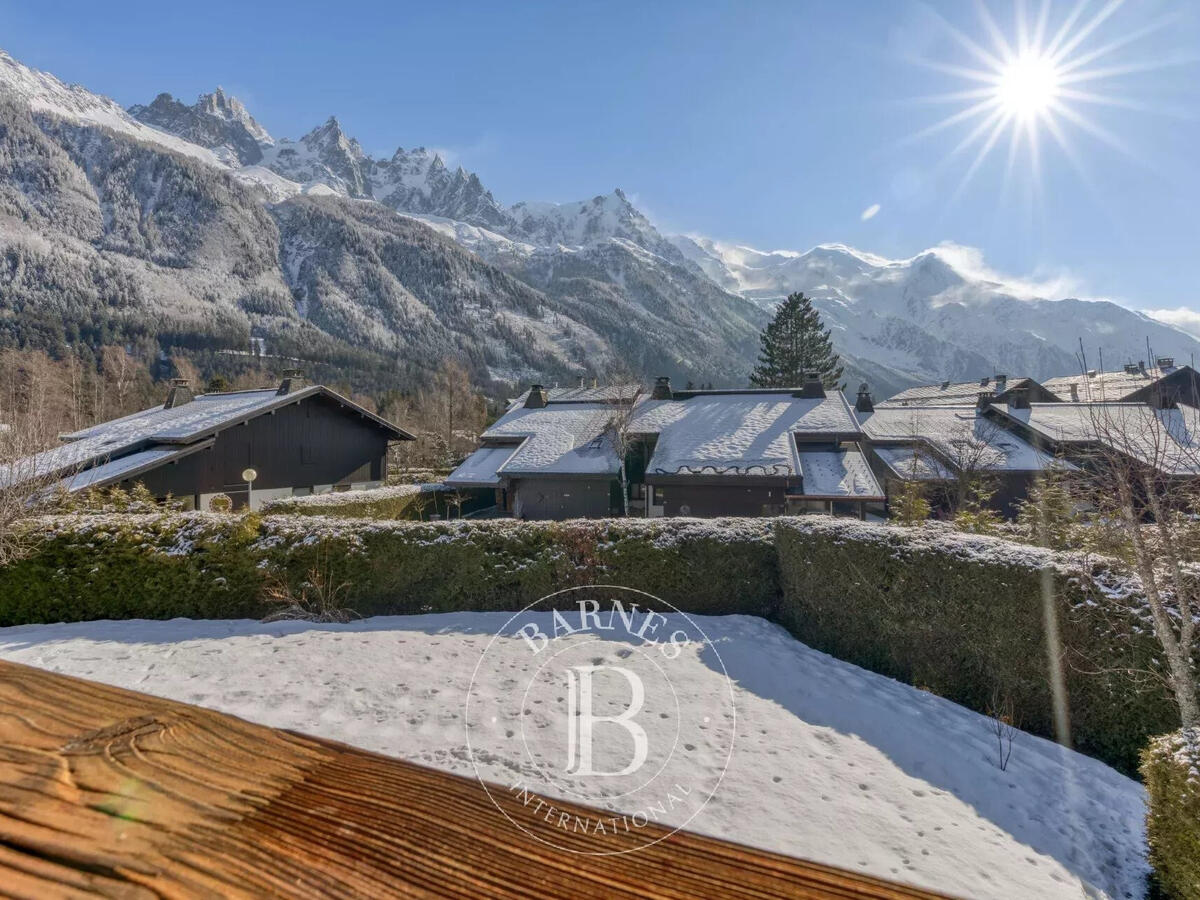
x,y
298,440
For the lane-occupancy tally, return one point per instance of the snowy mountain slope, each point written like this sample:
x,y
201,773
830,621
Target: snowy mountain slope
x,y
895,322
43,93
602,259
830,762
116,227
684,306
936,316
217,121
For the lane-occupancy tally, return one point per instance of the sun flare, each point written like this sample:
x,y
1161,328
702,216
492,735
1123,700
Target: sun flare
x,y
1028,85
1036,81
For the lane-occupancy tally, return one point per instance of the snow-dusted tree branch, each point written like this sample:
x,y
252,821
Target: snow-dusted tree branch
x,y
1143,481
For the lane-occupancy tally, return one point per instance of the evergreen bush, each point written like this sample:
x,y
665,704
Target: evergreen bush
x,y
1171,770
966,616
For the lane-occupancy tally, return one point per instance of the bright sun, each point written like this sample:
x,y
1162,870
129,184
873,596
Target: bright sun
x,y
1036,81
1028,85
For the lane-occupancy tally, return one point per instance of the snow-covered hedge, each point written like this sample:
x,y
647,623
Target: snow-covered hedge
x,y
966,617
1171,770
204,565
394,502
963,616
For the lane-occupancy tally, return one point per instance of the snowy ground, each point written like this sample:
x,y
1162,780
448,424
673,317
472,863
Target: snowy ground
x,y
830,762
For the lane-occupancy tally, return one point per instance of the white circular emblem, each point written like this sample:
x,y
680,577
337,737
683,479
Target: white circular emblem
x,y
592,696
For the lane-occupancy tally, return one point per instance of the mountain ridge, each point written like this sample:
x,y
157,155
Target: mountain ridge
x,y
617,287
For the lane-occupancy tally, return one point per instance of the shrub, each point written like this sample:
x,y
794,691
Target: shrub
x,y
1171,769
965,616
404,501
960,615
203,565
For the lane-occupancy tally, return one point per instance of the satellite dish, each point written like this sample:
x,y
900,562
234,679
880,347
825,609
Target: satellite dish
x,y
249,474
685,510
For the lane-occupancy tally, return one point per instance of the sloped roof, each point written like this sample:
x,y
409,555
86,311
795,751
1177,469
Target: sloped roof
x,y
128,466
1168,439
481,468
838,473
738,433
560,438
912,464
943,428
616,393
954,393
181,425
1108,386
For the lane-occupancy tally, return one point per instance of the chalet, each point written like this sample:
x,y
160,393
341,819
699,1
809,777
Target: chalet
x,y
1167,440
947,393
297,439
945,445
570,453
751,453
552,454
1162,385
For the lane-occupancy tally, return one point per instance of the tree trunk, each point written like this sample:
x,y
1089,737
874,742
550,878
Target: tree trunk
x,y
1179,663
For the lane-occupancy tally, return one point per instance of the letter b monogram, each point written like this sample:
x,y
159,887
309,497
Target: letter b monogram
x,y
581,720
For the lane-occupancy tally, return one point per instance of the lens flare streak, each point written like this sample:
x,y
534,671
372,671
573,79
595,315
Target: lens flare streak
x,y
1026,84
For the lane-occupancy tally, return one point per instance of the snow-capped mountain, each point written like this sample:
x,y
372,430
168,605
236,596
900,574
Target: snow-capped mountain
x,y
191,227
938,315
199,216
216,121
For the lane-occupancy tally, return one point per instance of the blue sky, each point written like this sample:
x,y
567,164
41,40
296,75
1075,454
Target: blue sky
x,y
771,124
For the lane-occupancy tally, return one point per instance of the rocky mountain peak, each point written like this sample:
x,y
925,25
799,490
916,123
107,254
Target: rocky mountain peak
x,y
216,121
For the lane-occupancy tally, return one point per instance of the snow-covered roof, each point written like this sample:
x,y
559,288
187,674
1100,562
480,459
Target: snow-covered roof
x,y
954,393
481,468
557,439
1107,386
752,433
912,464
616,393
181,425
126,466
1168,439
838,473
957,433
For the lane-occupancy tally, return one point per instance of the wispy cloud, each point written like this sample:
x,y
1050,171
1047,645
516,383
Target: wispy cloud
x,y
1040,285
870,212
1181,317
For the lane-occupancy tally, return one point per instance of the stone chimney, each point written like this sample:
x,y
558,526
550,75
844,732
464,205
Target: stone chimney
x,y
983,400
812,388
181,393
662,388
864,403
1018,398
1141,367
537,397
1074,392
293,380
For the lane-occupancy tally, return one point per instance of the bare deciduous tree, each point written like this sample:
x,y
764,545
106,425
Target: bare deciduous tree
x,y
1003,727
1142,479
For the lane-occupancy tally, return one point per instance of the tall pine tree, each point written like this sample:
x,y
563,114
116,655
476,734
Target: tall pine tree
x,y
795,344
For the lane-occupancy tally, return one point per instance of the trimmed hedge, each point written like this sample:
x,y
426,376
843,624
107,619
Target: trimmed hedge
x,y
960,615
964,616
203,565
1171,770
404,501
